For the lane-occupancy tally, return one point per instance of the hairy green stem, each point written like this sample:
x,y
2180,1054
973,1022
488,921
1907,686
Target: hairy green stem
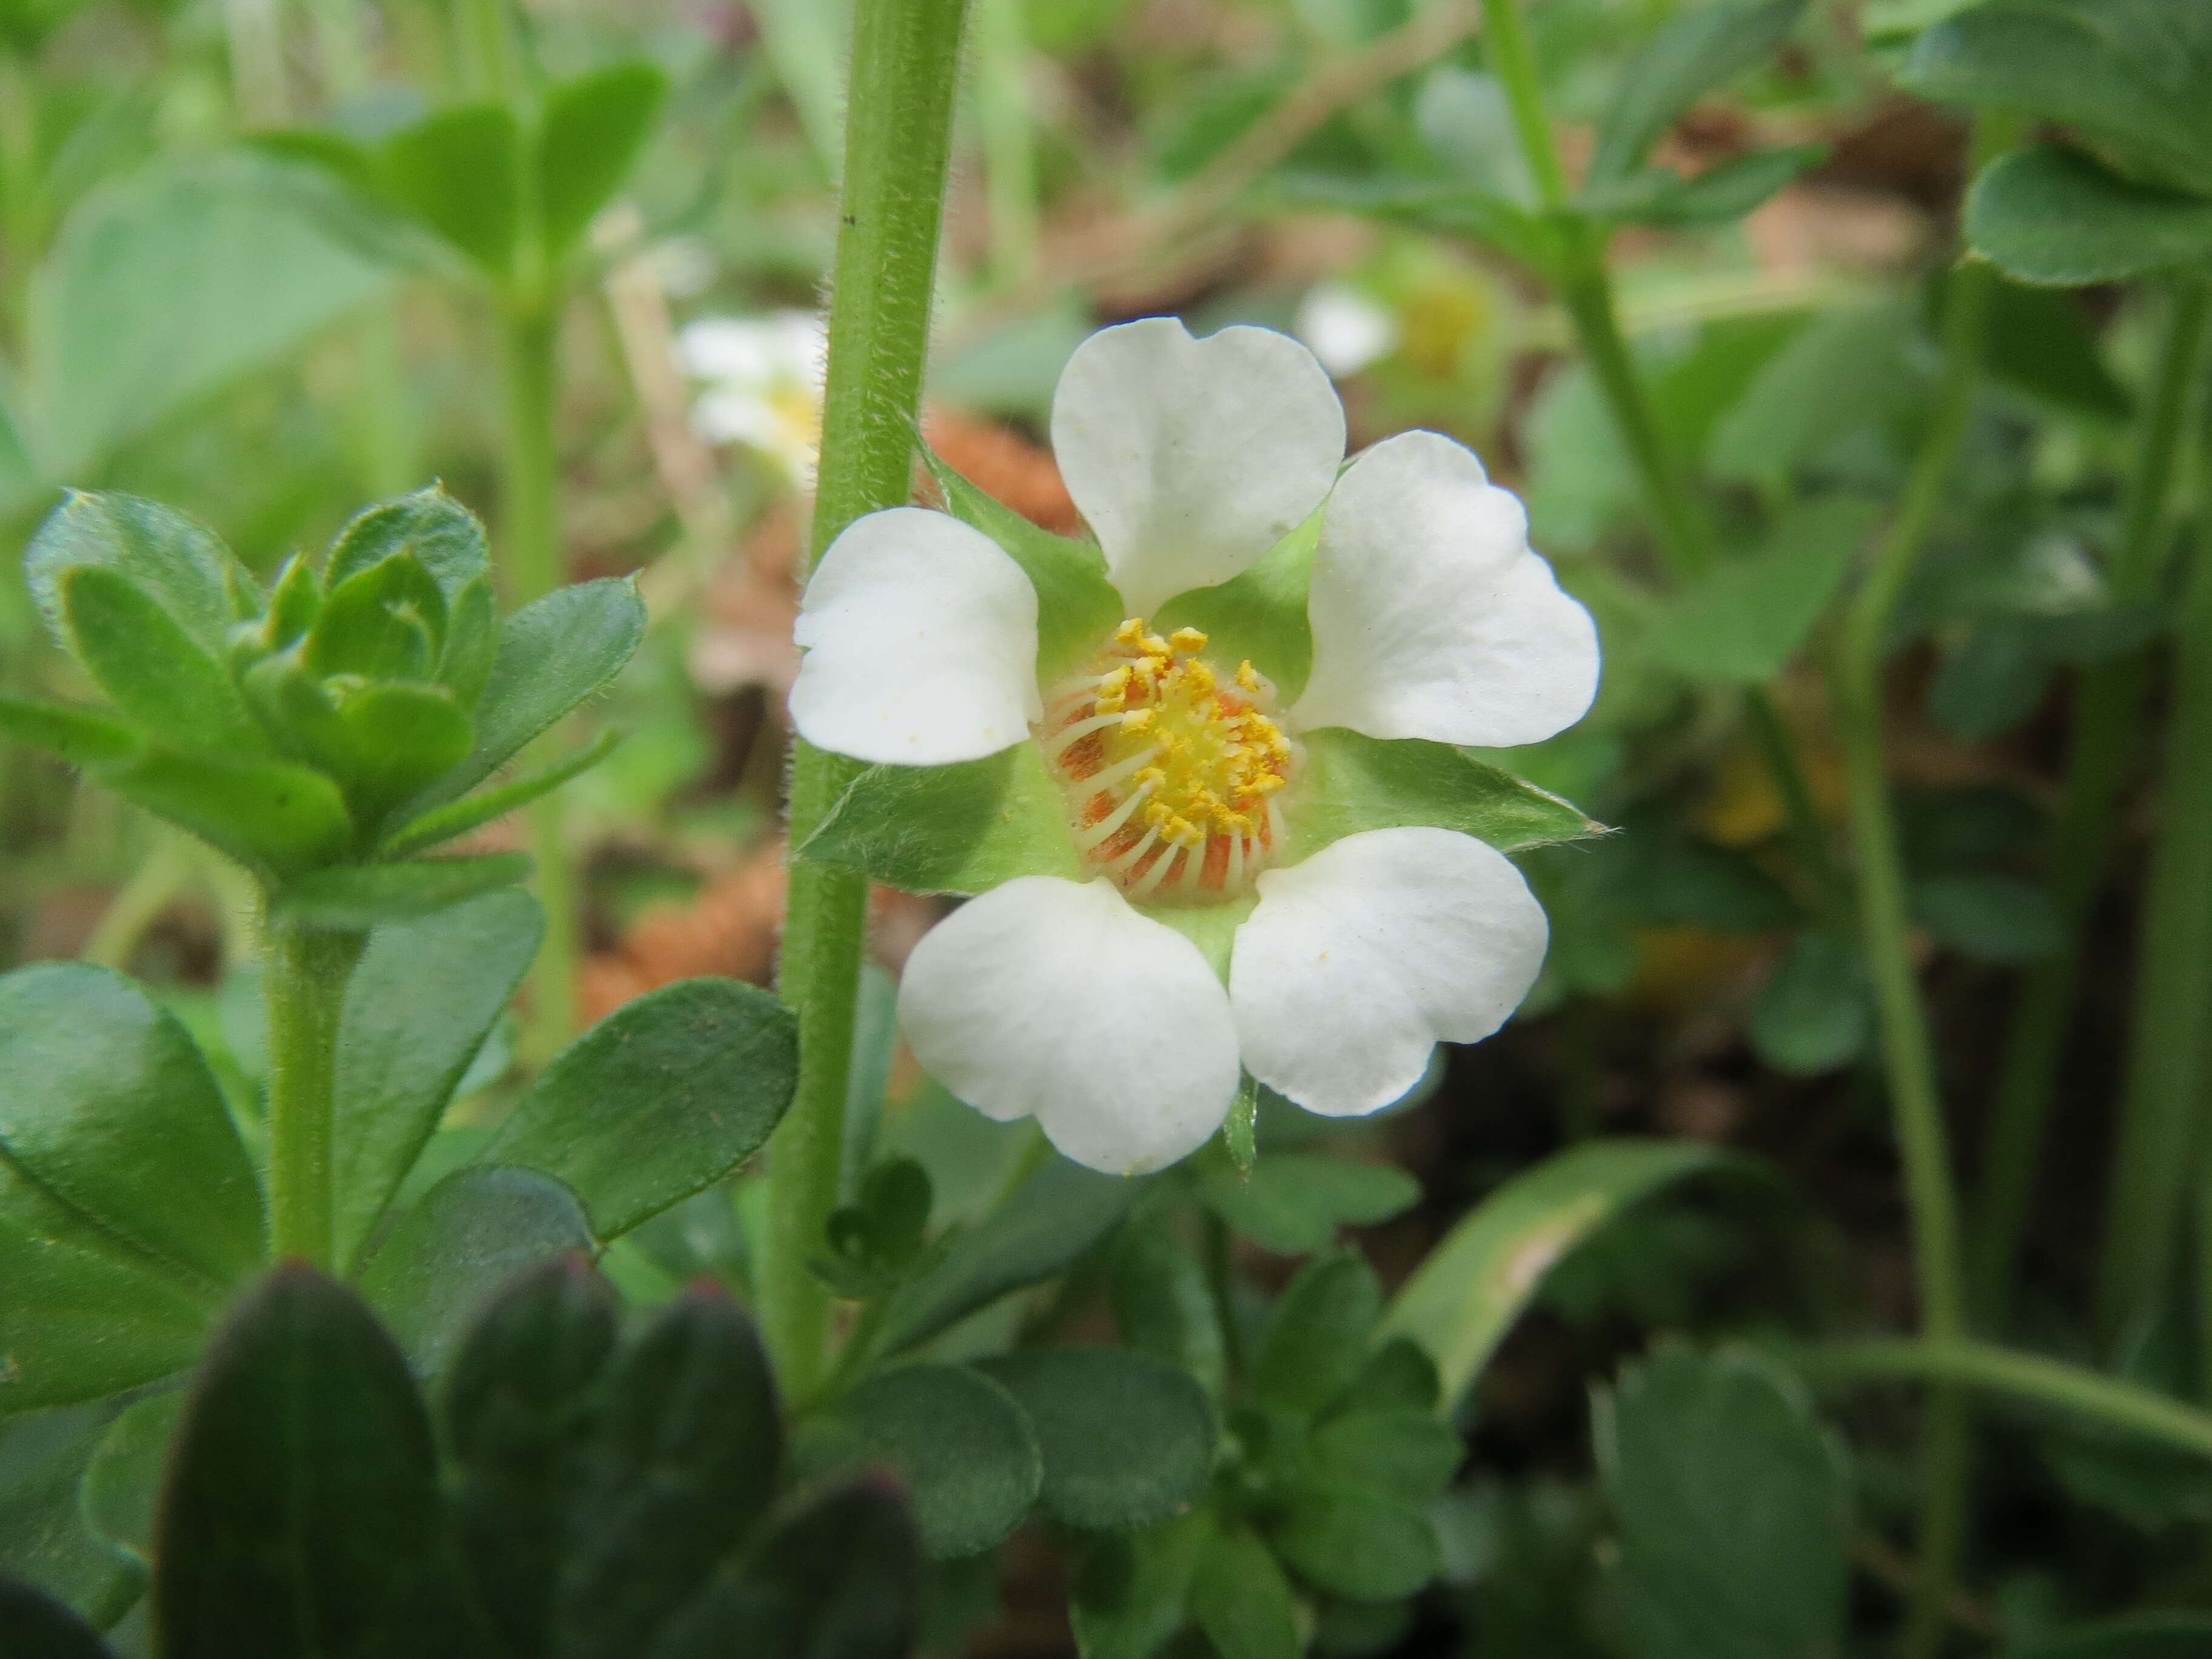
x,y
304,976
2107,712
897,140
1908,1051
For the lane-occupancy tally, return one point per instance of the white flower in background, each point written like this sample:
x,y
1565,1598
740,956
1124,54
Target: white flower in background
x,y
763,385
1347,330
1241,861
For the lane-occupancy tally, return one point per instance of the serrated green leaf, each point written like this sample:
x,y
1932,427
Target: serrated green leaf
x,y
1696,52
1127,1441
663,1097
1351,783
1464,1298
153,670
1078,608
964,1449
2052,214
1240,1598
1294,1203
465,1239
361,896
460,173
589,139
1317,1338
182,563
959,829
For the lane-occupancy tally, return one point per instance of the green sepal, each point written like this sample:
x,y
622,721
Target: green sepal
x,y
1351,783
457,817
1259,616
1078,608
2052,214
154,672
386,623
441,534
368,895
959,829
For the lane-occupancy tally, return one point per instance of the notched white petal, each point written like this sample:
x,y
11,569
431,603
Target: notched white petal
x,y
1190,459
1055,998
921,641
1432,617
1357,962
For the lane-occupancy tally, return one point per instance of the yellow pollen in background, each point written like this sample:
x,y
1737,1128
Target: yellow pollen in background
x,y
1195,742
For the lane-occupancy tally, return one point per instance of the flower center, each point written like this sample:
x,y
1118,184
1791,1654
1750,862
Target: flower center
x,y
1169,766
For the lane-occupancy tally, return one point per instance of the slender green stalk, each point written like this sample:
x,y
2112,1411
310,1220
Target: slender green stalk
x,y
305,973
531,566
1010,184
898,139
21,211
161,874
254,33
2169,1039
488,69
2025,1376
1908,1052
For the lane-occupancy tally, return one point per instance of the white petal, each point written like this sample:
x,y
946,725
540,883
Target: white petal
x,y
1431,616
1358,960
921,638
1190,459
1055,997
1345,330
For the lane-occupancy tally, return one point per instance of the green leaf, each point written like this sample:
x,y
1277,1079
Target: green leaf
x,y
1077,606
1460,1301
664,1097
1692,1447
1294,1203
79,736
460,173
273,818
370,895
2040,342
177,561
1317,1338
1357,1544
1351,782
1163,1307
1058,1214
964,1449
1406,1453
2130,70
1259,617
520,1399
401,737
213,241
1131,1591
1697,51
472,629
1241,1599
1127,1441
1483,216
1991,917
45,1541
417,1010
959,829
302,1512
1813,1014
39,1627
2052,214
1846,371
552,654
2146,1636
1741,621
589,139
682,1465
1723,193
383,622
428,525
122,1484
442,824
151,669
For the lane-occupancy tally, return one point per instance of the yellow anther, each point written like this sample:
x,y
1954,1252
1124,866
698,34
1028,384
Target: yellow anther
x,y
1137,719
1246,677
1265,784
1153,646
1110,702
1200,678
1150,777
1157,813
1114,681
1130,631
1186,639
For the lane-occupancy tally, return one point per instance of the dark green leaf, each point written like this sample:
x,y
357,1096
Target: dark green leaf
x,y
2146,1636
959,829
1848,372
462,1241
1724,192
417,1009
1317,1339
1294,1203
153,670
552,655
1405,1454
1164,1308
472,628
1127,1441
302,1513
1697,52
1241,1599
398,738
1060,1212
1990,917
2040,342
2052,214
1130,1592
79,736
428,525
1357,1543
45,1541
963,1449
182,563
1692,1449
1352,783
1482,215
520,1401
460,173
442,824
1812,1014
589,139
371,894
682,1466
667,1095
39,1627
122,1485
1743,621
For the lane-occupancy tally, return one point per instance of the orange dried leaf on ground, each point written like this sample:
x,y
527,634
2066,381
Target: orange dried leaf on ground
x,y
1002,463
744,638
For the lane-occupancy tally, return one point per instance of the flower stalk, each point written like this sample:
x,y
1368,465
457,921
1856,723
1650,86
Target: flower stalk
x,y
905,67
306,971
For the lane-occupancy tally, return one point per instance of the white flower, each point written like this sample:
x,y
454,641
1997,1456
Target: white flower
x,y
1344,328
763,378
1261,884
